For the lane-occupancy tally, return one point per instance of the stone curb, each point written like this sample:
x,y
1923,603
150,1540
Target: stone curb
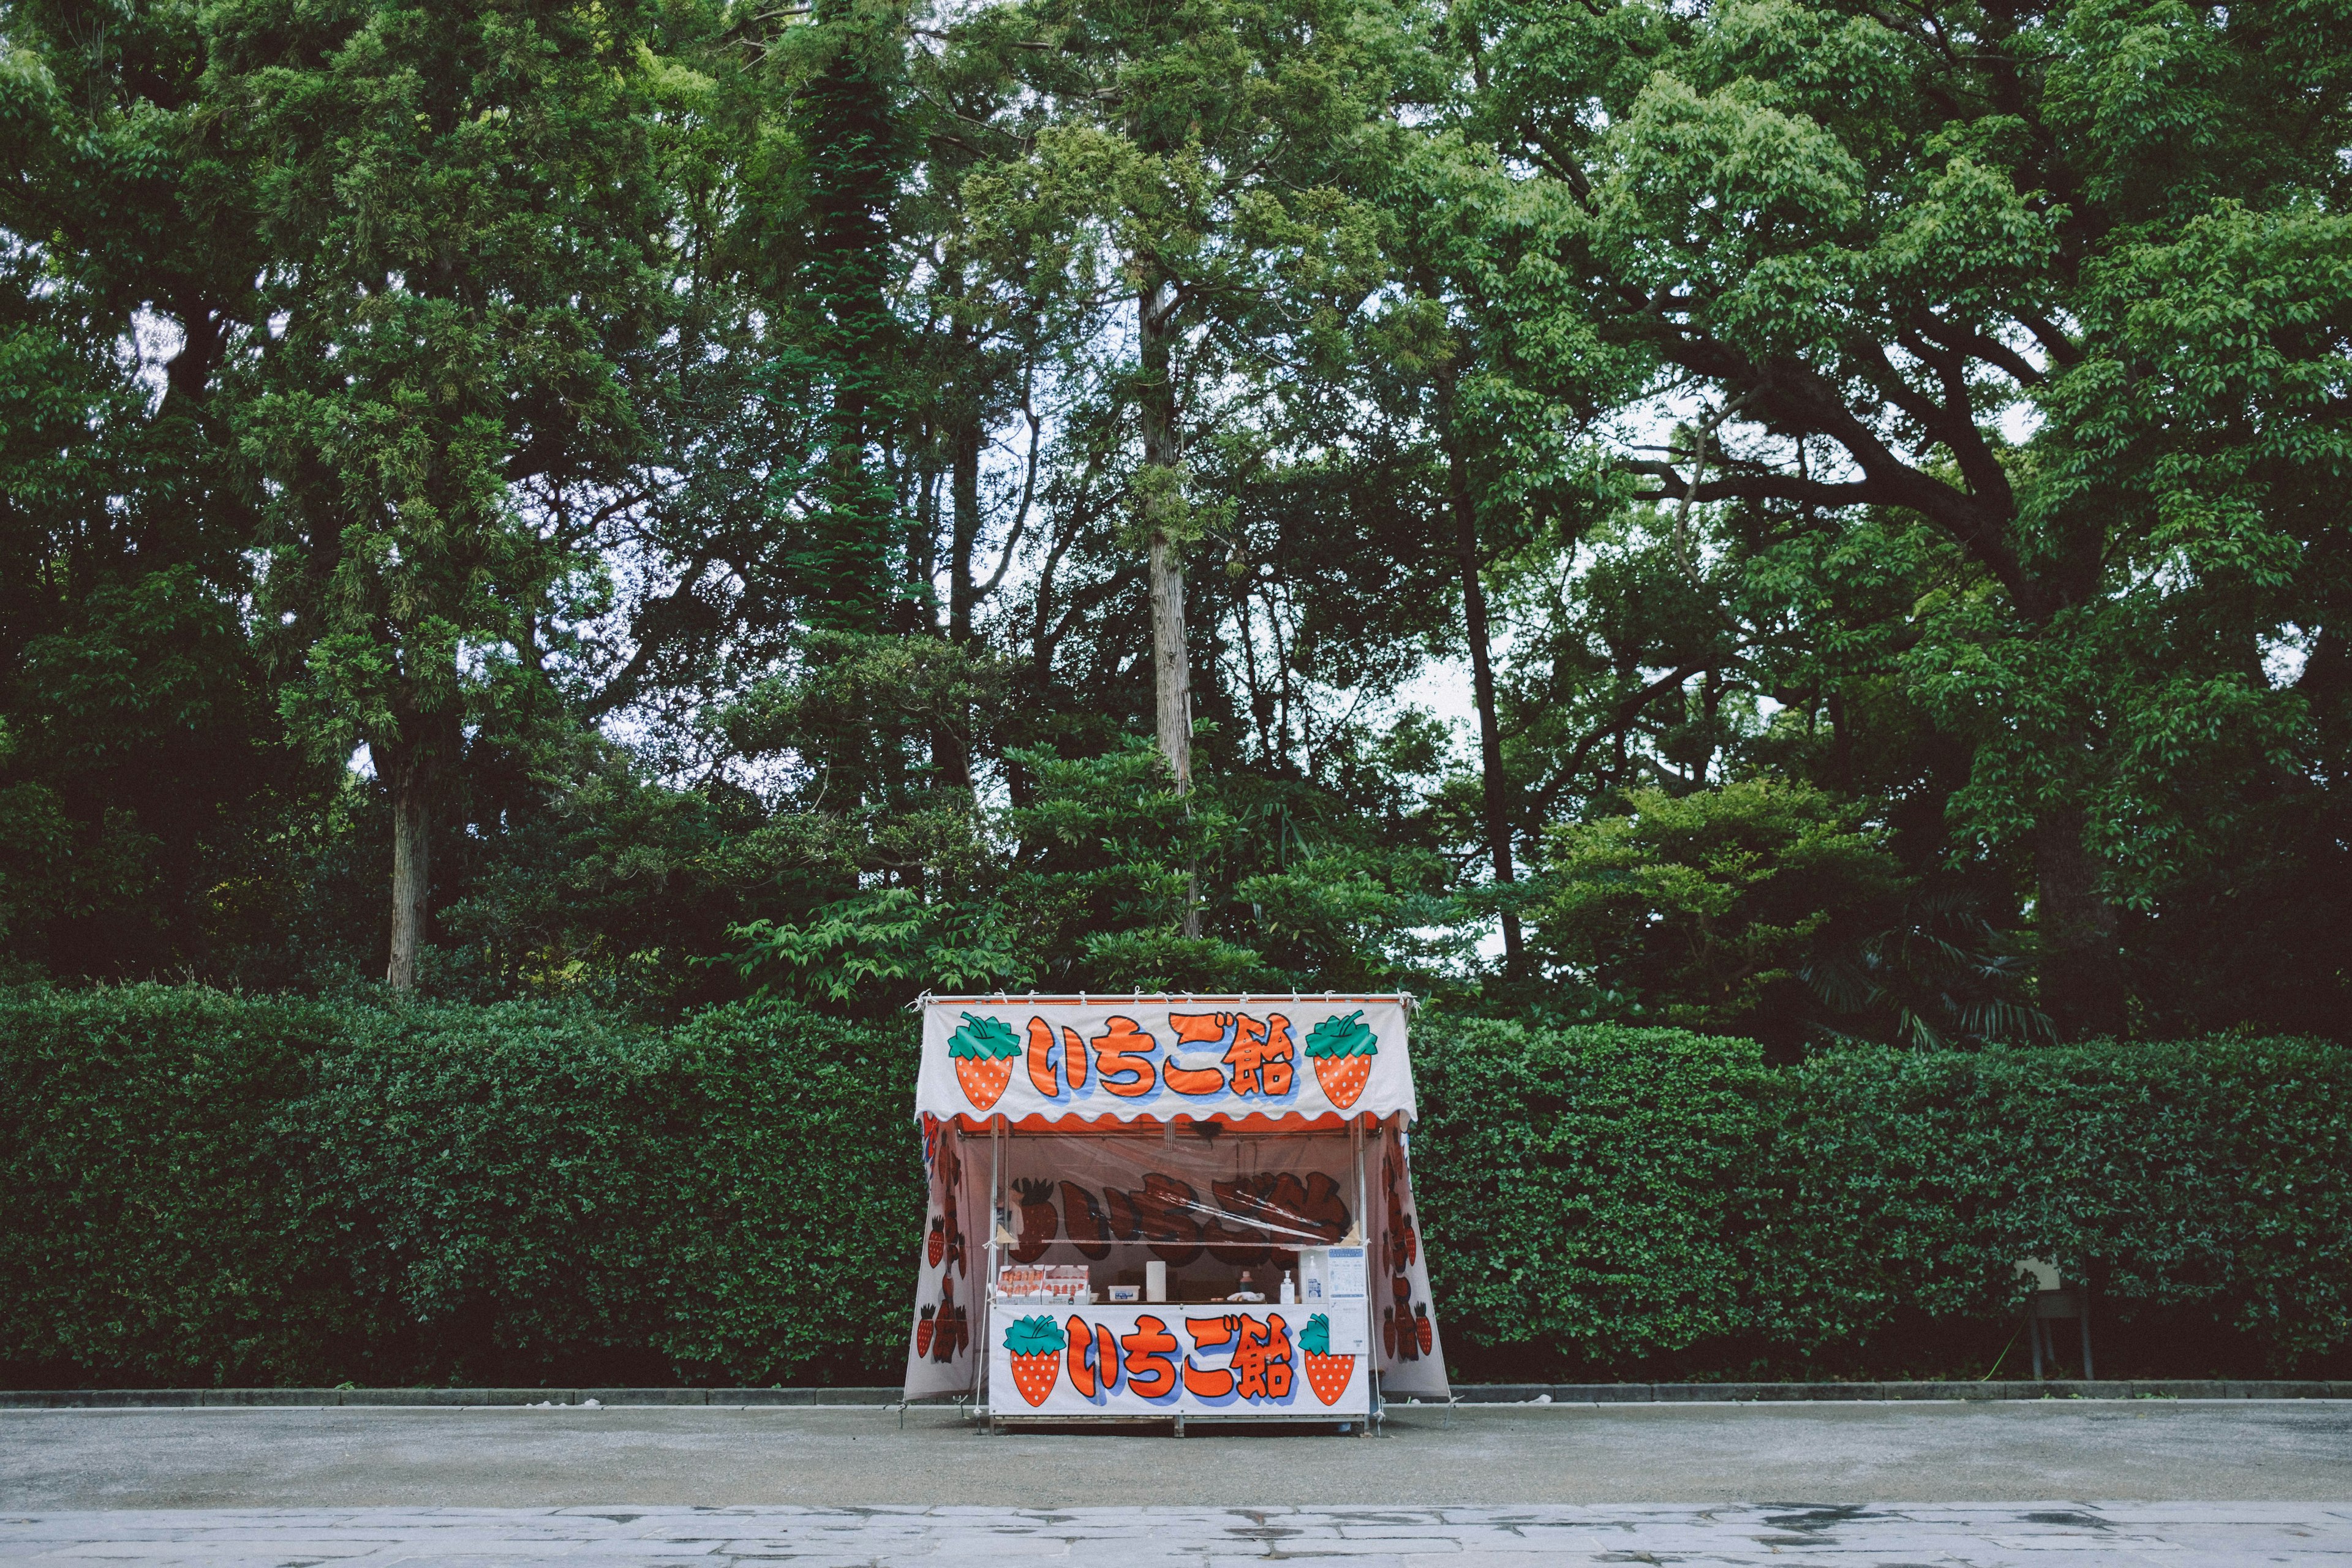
x,y
446,1398
1799,1392
1514,1394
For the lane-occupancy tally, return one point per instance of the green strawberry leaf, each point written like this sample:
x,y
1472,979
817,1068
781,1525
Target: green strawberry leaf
x,y
1347,1036
988,1039
1314,1338
1035,1336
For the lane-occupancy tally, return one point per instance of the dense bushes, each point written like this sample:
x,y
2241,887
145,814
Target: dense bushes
x,y
210,1189
204,1188
1601,1201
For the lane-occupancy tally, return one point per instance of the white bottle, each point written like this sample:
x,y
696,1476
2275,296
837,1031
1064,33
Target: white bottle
x,y
1289,1290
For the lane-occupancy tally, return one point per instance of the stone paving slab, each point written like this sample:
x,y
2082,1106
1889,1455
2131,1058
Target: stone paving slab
x,y
2236,1452
2033,1534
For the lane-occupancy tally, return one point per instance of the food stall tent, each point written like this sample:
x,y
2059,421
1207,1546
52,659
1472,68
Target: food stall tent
x,y
1122,1191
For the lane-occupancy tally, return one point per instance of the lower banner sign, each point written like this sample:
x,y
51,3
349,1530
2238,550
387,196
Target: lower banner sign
x,y
1166,1358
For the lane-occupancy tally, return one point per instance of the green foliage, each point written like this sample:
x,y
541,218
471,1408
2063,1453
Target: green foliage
x,y
805,1212
212,1189
1702,907
1583,1189
878,944
702,453
224,1190
1601,1198
2196,1176
158,1231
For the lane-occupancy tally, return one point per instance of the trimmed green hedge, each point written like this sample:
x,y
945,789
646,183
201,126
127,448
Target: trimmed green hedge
x,y
1605,1202
211,1189
207,1189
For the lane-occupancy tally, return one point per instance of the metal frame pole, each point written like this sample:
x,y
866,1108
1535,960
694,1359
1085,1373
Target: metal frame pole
x,y
1364,1229
988,1266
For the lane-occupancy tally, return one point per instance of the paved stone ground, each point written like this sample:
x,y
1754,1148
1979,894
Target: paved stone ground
x,y
2152,1450
2028,1535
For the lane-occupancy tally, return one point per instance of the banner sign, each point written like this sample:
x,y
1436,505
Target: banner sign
x,y
1160,1360
1159,1057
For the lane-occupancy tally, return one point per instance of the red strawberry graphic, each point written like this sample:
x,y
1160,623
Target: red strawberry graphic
x,y
1388,1331
937,1246
983,1051
1343,1079
1326,1374
1423,1331
1036,1344
923,1332
1342,1049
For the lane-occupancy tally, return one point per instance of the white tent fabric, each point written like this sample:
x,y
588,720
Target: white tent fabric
x,y
1102,1160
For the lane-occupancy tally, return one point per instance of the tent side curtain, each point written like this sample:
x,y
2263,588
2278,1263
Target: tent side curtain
x,y
1210,1202
1291,1061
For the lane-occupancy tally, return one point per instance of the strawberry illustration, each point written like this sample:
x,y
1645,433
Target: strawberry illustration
x,y
1388,1331
1424,1330
982,1051
1327,1373
1036,1344
923,1332
1343,1051
937,1246
1038,1222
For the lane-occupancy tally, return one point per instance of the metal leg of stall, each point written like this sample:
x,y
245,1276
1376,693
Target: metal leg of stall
x,y
988,1276
1364,1229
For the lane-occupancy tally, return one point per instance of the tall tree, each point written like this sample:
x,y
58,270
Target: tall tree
x,y
1211,147
458,198
1871,251
844,74
140,767
1494,364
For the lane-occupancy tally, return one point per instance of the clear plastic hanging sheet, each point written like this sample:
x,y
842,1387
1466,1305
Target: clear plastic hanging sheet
x,y
1225,1212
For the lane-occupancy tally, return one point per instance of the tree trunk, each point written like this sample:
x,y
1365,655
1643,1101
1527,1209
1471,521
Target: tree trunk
x,y
1171,669
1482,683
964,525
2082,971
403,769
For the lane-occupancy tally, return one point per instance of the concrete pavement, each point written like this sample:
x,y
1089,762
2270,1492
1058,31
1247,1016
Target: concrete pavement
x,y
2154,1450
2031,1535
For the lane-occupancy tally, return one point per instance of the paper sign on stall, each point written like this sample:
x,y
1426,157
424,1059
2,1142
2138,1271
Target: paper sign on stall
x,y
1346,1274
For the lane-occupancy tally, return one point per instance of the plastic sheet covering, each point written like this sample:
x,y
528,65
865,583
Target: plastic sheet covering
x,y
1212,1204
